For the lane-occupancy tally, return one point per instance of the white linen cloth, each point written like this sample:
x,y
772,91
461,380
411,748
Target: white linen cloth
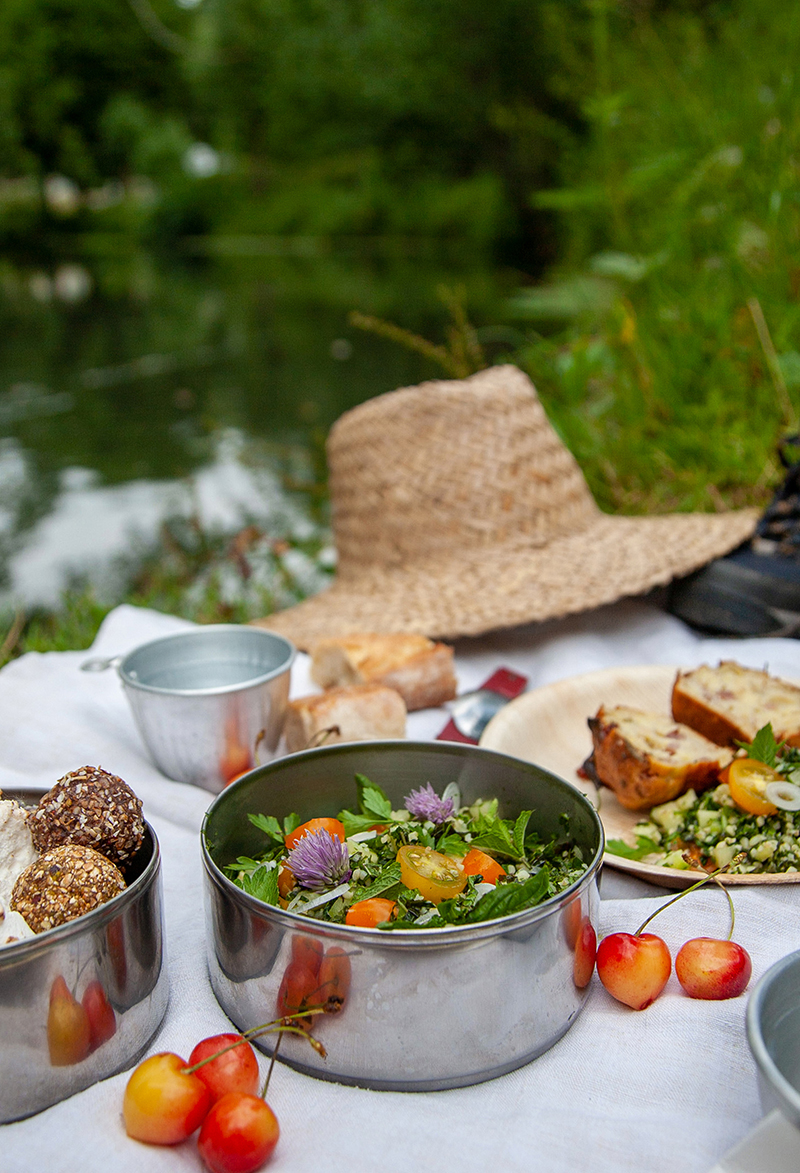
x,y
672,1087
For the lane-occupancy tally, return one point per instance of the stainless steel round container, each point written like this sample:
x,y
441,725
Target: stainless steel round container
x,y
210,702
105,969
773,1032
425,1009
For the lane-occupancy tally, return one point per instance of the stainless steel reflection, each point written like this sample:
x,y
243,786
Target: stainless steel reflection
x,y
210,702
112,962
425,1009
773,1031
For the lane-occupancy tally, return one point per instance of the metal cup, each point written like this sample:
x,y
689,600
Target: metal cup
x,y
773,1032
209,703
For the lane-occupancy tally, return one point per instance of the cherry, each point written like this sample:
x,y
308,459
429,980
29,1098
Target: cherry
x,y
68,1028
585,952
100,1012
163,1102
230,1065
634,967
238,1134
712,969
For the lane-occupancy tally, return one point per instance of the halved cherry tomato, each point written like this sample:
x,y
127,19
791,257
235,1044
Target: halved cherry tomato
x,y
748,781
478,863
369,913
434,875
332,826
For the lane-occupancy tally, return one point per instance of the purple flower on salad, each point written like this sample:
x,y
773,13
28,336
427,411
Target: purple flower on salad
x,y
425,803
319,861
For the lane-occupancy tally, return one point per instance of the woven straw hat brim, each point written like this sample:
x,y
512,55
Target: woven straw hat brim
x,y
483,590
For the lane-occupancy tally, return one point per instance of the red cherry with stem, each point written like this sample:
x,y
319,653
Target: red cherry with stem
x,y
633,967
238,1134
231,1065
714,969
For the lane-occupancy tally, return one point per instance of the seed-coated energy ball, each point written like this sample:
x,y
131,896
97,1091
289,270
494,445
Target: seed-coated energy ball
x,y
93,808
63,883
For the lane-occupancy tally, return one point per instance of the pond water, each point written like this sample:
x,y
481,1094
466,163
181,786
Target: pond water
x,y
133,388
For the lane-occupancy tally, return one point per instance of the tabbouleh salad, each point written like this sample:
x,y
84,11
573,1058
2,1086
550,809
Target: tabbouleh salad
x,y
716,829
430,864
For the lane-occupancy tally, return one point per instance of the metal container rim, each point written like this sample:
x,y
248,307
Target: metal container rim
x,y
764,1061
98,917
405,938
199,632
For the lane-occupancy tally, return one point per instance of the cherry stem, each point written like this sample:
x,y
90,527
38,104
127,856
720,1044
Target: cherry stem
x,y
730,905
686,891
277,1024
271,1065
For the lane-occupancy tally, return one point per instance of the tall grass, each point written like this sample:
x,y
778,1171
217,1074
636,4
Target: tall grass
x,y
666,345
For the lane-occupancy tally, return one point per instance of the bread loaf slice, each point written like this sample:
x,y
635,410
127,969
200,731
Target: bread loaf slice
x,y
416,667
731,703
360,712
646,758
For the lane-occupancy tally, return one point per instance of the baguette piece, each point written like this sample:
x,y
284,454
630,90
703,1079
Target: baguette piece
x,y
731,703
416,667
646,758
360,712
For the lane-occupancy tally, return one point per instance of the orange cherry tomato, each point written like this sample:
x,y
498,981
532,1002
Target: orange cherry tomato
x,y
369,913
332,826
434,875
286,881
478,863
748,781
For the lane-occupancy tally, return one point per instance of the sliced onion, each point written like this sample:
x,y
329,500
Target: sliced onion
x,y
452,790
784,795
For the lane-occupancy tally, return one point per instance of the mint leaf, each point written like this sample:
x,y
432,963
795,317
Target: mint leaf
x,y
764,747
262,883
495,837
518,834
269,825
453,845
508,898
388,878
644,846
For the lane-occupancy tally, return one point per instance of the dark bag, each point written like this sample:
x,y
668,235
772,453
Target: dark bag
x,y
754,591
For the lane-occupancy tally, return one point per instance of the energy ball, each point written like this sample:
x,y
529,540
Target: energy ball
x,y
93,808
63,883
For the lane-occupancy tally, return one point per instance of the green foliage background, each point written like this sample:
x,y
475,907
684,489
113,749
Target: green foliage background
x,y
637,162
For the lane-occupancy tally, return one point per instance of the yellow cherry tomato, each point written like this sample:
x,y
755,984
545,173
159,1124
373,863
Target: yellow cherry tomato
x,y
434,875
748,781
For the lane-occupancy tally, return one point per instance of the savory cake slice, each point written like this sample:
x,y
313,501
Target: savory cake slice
x,y
646,758
731,703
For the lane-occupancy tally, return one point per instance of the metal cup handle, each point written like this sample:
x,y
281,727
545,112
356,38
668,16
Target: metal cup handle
x,y
98,664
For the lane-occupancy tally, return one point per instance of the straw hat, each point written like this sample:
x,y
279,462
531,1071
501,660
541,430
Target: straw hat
x,y
458,510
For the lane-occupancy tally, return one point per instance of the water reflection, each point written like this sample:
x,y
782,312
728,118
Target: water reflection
x,y
133,389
